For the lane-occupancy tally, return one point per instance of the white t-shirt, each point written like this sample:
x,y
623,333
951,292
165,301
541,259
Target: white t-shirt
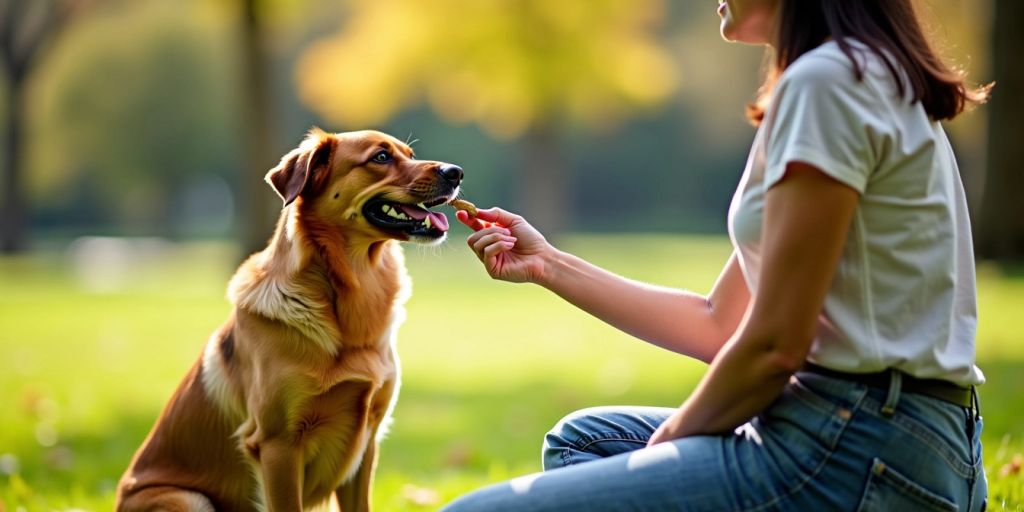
x,y
903,295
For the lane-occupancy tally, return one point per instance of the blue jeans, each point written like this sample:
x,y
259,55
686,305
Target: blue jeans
x,y
825,444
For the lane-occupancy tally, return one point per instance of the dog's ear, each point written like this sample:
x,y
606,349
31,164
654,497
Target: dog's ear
x,y
289,177
303,169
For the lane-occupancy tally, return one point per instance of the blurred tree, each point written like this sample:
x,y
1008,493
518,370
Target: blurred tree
x,y
1001,230
523,69
138,100
254,213
26,30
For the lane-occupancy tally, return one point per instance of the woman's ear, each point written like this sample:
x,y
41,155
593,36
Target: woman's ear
x,y
294,175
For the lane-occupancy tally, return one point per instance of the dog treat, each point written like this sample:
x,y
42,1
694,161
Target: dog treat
x,y
462,204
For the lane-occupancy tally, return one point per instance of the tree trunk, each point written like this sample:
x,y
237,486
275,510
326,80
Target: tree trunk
x,y
12,213
1001,228
255,209
543,185
25,30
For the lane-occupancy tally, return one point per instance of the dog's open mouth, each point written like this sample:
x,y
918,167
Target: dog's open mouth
x,y
415,220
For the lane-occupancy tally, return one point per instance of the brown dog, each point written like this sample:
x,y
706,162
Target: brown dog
x,y
284,408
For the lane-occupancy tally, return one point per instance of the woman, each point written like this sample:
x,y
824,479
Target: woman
x,y
840,334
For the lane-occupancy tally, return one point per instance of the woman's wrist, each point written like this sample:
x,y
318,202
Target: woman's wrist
x,y
553,266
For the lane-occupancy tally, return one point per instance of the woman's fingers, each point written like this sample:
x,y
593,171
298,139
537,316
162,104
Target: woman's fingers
x,y
473,223
475,237
497,215
496,248
492,236
486,240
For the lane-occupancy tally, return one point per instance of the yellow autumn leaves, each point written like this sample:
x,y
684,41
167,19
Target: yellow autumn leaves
x,y
503,64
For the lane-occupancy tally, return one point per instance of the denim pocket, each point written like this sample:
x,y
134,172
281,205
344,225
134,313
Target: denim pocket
x,y
801,430
889,490
934,427
822,417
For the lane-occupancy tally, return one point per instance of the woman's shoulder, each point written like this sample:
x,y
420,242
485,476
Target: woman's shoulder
x,y
826,63
830,71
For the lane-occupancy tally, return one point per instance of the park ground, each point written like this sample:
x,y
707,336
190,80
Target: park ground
x,y
94,339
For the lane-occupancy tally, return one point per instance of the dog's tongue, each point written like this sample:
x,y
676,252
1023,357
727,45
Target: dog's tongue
x,y
437,219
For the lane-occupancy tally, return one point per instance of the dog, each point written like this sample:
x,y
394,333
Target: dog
x,y
285,407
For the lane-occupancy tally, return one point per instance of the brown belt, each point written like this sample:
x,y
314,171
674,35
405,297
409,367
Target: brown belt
x,y
935,388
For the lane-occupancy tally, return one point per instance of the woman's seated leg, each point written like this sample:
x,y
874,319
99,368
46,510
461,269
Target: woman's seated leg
x,y
599,432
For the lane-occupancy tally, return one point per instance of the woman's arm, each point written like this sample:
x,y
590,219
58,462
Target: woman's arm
x,y
677,320
807,216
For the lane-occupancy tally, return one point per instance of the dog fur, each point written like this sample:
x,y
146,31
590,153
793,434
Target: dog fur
x,y
284,408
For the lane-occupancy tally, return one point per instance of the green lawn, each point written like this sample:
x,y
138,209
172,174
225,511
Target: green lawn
x,y
88,360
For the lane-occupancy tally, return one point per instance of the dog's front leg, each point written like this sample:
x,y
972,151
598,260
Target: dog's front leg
x,y
354,494
280,466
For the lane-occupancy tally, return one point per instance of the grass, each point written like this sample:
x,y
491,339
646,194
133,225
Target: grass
x,y
87,360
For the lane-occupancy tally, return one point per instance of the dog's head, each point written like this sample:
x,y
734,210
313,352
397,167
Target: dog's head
x,y
367,183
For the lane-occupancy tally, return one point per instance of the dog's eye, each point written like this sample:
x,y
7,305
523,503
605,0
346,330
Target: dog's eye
x,y
381,157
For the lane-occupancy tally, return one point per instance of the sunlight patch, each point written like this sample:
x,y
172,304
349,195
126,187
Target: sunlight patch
x,y
748,431
661,452
522,484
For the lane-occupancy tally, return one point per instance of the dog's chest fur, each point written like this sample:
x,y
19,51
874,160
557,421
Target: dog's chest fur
x,y
278,381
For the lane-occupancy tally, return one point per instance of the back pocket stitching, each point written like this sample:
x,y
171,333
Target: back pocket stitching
x,y
881,472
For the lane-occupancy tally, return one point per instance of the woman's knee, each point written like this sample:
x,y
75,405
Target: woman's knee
x,y
566,435
599,432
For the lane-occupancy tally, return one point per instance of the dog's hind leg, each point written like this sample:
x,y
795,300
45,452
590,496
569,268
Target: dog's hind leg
x,y
165,499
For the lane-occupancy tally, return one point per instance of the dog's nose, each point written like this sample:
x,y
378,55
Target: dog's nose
x,y
451,173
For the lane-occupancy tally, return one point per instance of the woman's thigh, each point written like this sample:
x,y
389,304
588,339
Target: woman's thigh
x,y
597,460
821,445
686,474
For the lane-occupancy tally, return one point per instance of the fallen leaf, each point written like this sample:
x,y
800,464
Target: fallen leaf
x,y
1013,467
420,496
459,455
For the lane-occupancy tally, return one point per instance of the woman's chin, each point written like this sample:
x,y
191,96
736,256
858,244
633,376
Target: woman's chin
x,y
728,31
731,34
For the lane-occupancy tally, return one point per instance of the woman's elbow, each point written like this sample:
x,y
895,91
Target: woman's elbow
x,y
783,352
786,360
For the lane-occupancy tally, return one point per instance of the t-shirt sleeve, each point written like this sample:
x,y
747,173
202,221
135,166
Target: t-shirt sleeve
x,y
822,115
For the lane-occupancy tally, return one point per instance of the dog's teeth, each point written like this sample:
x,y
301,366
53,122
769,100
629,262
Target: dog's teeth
x,y
421,205
392,212
426,222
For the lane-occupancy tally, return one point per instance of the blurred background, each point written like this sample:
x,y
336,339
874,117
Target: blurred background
x,y
137,133
159,118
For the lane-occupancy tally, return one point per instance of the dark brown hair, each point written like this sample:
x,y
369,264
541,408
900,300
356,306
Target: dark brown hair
x,y
889,28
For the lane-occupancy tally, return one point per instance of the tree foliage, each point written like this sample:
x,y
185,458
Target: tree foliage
x,y
507,65
138,104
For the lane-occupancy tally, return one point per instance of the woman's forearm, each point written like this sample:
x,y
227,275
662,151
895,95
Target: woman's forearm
x,y
744,379
812,214
678,320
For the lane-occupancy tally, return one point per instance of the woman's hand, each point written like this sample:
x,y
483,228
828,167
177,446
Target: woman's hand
x,y
670,429
509,247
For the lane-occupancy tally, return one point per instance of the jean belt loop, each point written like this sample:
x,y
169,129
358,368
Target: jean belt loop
x,y
975,404
893,397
